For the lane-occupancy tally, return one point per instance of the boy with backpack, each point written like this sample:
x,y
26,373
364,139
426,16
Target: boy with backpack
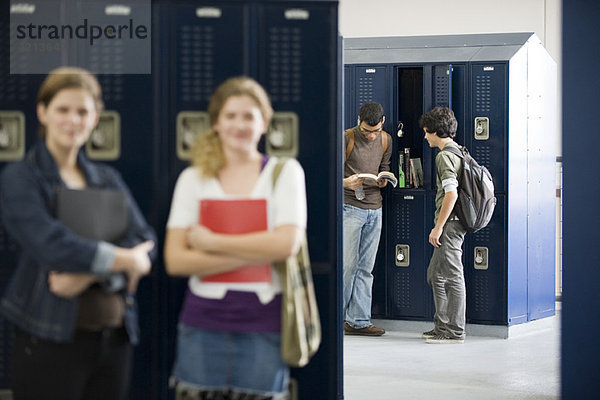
x,y
445,272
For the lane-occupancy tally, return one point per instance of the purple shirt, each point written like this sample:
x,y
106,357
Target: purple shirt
x,y
236,312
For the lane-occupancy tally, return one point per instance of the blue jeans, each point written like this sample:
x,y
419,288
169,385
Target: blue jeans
x,y
362,230
245,362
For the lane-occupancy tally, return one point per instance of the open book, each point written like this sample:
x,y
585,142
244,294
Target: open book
x,y
385,175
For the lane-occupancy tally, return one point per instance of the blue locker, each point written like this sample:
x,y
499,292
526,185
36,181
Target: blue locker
x,y
17,95
197,45
489,100
407,281
272,42
302,78
502,88
199,51
368,83
487,283
129,97
349,96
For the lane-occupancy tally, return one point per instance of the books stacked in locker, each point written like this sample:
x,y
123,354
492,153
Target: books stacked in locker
x,y
410,170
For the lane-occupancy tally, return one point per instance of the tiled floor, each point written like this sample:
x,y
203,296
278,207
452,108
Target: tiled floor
x,y
400,365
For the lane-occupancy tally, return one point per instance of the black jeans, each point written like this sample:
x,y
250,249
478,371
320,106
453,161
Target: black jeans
x,y
94,366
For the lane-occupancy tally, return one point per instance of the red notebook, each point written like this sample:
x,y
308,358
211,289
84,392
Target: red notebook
x,y
236,216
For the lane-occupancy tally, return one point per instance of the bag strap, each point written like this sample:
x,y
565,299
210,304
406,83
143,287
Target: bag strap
x,y
277,169
460,152
384,140
350,146
303,256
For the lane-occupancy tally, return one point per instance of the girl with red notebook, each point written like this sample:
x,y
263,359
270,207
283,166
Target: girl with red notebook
x,y
229,330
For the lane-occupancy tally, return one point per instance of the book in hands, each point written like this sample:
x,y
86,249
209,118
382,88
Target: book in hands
x,y
383,175
236,217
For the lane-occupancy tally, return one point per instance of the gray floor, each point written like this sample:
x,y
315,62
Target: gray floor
x,y
400,365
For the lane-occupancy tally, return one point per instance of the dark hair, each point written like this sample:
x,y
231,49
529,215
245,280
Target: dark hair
x,y
440,120
371,113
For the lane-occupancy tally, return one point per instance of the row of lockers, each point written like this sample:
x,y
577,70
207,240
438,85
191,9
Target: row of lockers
x,y
502,89
146,130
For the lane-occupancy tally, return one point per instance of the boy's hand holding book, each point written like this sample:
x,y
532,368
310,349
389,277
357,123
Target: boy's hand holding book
x,y
353,182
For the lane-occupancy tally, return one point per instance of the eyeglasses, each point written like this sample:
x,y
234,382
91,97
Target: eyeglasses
x,y
367,132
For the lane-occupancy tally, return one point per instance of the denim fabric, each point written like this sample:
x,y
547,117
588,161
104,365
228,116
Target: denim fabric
x,y
362,230
246,362
27,201
445,276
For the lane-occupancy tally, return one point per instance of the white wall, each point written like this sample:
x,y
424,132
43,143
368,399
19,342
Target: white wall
x,y
359,18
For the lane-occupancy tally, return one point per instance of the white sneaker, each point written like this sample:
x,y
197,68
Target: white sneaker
x,y
443,339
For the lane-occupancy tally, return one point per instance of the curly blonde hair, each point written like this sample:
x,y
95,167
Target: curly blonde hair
x,y
207,152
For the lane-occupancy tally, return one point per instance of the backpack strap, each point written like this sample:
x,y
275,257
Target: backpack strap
x,y
350,146
384,140
460,152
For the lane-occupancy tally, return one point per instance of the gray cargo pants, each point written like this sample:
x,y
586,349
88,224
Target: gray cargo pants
x,y
447,281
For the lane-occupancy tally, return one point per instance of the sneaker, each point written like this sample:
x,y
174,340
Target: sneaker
x,y
370,330
429,334
443,339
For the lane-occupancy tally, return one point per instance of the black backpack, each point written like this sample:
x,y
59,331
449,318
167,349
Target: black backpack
x,y
476,201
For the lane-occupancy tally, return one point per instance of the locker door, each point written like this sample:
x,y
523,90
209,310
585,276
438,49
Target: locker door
x,y
406,265
349,97
485,271
299,78
208,44
18,130
201,44
487,135
302,80
128,99
30,54
371,83
125,52
459,97
204,44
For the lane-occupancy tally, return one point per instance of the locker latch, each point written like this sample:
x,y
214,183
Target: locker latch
x,y
402,255
480,257
189,125
282,135
482,128
105,140
12,135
